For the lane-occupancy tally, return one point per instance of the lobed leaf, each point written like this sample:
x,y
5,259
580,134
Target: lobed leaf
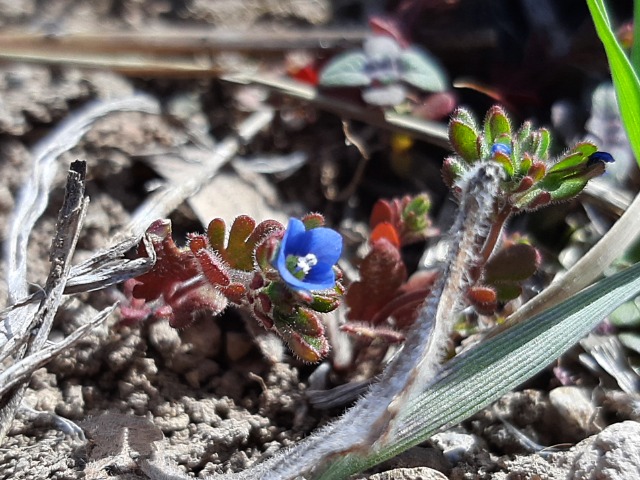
x,y
239,253
244,236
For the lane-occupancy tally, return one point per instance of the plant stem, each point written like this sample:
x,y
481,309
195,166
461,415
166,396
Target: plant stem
x,y
494,233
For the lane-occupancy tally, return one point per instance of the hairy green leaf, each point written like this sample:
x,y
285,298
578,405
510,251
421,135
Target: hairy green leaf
x,y
464,140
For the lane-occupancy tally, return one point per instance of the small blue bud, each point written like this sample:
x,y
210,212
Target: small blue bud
x,y
500,148
604,157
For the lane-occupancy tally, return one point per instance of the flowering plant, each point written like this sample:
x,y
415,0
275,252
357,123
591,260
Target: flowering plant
x,y
285,278
384,301
531,178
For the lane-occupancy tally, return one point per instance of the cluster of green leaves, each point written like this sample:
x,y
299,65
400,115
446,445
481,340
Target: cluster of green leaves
x,y
531,178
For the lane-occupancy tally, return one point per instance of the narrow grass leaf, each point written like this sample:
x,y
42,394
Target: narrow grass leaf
x,y
474,379
625,78
635,47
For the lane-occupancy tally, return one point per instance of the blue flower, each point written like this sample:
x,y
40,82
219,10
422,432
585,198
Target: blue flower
x,y
306,258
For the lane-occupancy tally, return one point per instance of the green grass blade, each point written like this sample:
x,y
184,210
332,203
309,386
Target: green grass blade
x,y
474,379
635,48
625,78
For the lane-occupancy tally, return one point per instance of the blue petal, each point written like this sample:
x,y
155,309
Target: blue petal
x,y
325,244
295,228
294,238
314,281
604,157
320,275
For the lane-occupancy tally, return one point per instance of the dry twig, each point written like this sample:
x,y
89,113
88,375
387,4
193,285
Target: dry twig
x,y
432,132
165,52
35,335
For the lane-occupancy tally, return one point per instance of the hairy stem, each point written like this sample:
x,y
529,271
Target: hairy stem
x,y
494,234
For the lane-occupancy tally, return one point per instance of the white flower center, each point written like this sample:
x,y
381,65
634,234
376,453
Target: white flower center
x,y
307,262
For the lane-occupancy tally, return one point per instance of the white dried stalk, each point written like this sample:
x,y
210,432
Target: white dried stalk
x,y
61,424
107,267
24,317
104,269
24,311
429,131
166,51
609,354
371,423
38,328
19,371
